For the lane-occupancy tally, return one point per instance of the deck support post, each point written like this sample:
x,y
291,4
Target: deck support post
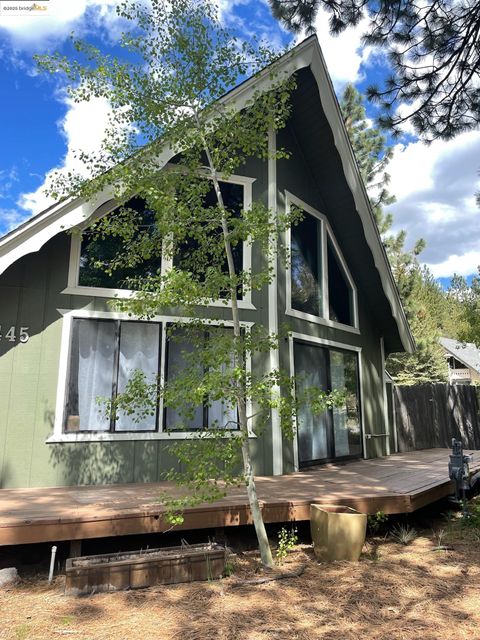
x,y
75,549
219,535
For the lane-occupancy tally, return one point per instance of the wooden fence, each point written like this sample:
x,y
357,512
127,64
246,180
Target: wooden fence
x,y
430,415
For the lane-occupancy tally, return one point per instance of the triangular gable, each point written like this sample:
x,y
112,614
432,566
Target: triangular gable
x,y
34,233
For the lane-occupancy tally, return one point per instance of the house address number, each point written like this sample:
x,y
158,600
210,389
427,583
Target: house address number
x,y
14,334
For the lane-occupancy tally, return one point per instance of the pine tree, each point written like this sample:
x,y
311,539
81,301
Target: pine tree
x,y
433,53
465,299
372,154
415,285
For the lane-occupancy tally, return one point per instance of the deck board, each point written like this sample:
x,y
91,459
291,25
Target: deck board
x,y
396,484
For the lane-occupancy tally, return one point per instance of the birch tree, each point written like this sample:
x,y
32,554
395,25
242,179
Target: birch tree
x,y
167,103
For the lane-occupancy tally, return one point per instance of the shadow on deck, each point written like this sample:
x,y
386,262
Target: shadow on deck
x,y
398,484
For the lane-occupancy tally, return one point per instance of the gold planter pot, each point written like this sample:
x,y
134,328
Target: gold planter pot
x,y
338,532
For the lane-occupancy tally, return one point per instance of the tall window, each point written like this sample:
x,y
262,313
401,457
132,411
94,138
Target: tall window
x,y
98,253
306,266
103,355
346,419
335,433
340,294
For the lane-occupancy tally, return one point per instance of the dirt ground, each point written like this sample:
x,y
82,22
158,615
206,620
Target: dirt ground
x,y
395,592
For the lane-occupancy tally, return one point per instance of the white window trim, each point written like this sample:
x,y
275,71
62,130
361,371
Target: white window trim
x,y
59,436
326,232
73,288
303,337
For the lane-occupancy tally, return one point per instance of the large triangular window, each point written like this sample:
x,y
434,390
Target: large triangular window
x,y
319,286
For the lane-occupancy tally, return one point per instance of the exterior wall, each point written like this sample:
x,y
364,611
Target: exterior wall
x,y
31,295
294,176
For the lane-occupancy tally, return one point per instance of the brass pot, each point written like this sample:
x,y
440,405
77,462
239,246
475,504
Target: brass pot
x,y
338,532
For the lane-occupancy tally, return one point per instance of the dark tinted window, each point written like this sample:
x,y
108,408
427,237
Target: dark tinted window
x,y
340,296
97,254
306,266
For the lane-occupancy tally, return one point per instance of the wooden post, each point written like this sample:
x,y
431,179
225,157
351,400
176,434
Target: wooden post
x,y
220,535
75,548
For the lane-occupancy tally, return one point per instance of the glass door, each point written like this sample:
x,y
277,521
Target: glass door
x,y
333,434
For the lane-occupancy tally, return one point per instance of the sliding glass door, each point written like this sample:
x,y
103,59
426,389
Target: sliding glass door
x,y
334,433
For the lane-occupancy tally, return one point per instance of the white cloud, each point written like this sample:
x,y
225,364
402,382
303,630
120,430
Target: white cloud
x,y
463,265
35,31
344,53
435,187
8,179
10,219
83,128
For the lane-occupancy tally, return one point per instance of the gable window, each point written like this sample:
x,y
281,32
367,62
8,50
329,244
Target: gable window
x,y
98,253
319,286
103,355
91,256
306,265
340,293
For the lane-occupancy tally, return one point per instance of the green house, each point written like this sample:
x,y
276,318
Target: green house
x,y
61,345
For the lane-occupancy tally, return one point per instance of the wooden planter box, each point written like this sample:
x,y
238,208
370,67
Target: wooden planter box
x,y
137,569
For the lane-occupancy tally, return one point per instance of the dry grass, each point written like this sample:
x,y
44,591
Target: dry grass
x,y
394,592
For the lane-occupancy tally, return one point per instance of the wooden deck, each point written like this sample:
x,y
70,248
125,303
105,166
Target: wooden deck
x,y
397,484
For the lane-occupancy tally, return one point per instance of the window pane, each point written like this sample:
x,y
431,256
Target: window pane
x,y
306,266
340,294
91,375
311,371
96,253
221,414
176,419
139,350
217,413
346,419
233,199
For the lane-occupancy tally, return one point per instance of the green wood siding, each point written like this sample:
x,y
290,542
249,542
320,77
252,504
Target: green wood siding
x,y
31,295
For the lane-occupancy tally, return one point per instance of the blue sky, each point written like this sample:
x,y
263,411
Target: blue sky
x,y
40,129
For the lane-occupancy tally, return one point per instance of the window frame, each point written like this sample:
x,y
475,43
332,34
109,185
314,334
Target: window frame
x,y
334,345
74,288
205,426
59,435
114,391
326,235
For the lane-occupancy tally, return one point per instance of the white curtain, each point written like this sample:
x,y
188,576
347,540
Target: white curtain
x,y
219,413
340,426
311,372
96,348
139,350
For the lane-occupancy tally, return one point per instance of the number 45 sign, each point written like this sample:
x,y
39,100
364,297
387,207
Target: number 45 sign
x,y
15,333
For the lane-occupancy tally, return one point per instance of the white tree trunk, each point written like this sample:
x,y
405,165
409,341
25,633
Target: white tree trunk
x,y
263,543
